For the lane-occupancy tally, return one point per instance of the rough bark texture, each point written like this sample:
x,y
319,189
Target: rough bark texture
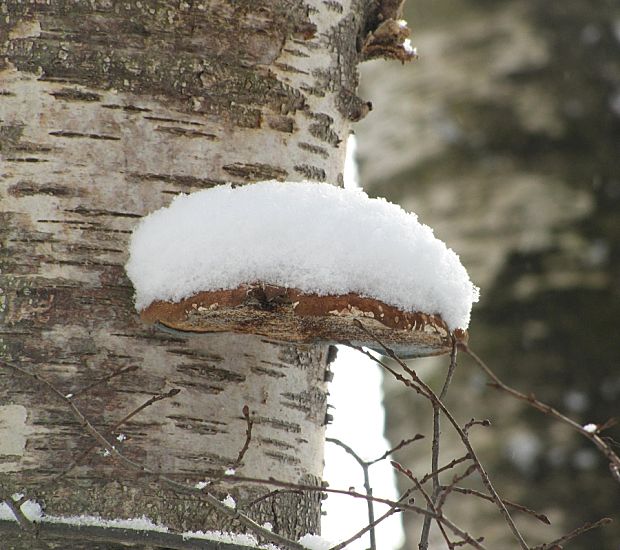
x,y
107,110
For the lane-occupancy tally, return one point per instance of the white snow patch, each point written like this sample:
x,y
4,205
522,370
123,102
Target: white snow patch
x,y
141,523
409,48
201,484
231,538
350,171
31,509
315,542
230,502
590,428
312,236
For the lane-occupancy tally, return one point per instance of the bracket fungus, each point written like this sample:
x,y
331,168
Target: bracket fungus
x,y
300,262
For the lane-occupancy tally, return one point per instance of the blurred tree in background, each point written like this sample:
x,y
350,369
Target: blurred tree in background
x,y
505,137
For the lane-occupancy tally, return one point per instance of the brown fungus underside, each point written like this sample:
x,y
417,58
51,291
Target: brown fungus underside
x,y
287,314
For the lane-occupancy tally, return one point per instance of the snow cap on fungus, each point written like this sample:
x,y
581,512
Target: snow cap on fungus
x,y
277,257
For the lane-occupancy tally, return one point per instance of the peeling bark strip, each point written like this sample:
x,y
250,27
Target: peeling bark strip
x,y
108,109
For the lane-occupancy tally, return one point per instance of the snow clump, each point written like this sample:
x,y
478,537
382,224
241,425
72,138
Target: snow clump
x,y
314,237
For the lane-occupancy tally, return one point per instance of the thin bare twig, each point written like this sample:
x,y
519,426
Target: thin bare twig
x,y
430,505
473,422
448,466
365,467
147,403
245,411
418,385
575,533
372,525
210,499
447,489
248,437
398,447
509,503
103,380
603,446
115,427
354,494
272,494
464,542
426,527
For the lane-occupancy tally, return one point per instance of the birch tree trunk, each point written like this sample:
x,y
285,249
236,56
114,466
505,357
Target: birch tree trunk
x,y
107,111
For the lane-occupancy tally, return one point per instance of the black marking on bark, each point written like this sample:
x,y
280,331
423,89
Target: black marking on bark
x,y
278,424
283,457
268,372
130,108
67,222
332,353
321,129
276,443
255,171
73,94
314,149
203,388
86,265
57,79
181,180
99,212
311,172
210,372
95,249
28,147
197,354
289,68
67,134
295,52
174,120
185,132
25,159
333,5
274,364
159,337
307,45
196,425
316,91
96,228
296,405
281,123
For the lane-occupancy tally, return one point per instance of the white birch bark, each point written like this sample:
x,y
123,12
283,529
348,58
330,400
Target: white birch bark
x,y
107,110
